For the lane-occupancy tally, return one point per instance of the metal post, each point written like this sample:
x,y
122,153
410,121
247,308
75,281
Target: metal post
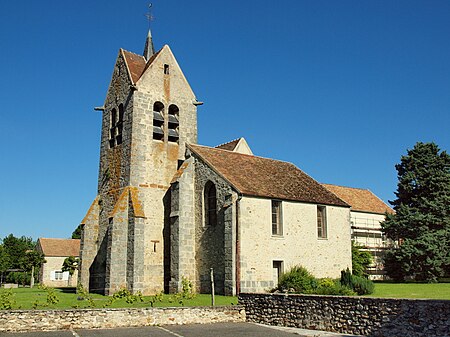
x,y
213,300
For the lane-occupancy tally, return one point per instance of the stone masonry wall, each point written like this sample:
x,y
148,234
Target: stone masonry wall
x,y
212,250
39,320
353,315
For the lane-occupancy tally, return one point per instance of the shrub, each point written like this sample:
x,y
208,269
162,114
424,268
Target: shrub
x,y
297,280
7,300
361,260
358,284
362,286
328,286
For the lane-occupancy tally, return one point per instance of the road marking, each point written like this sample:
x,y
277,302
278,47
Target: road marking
x,y
171,332
74,333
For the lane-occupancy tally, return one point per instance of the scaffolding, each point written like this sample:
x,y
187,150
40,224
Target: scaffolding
x,y
367,233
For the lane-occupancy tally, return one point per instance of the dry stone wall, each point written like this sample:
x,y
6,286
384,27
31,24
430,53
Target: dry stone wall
x,y
38,320
353,315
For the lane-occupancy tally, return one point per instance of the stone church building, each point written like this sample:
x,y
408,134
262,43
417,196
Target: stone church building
x,y
168,208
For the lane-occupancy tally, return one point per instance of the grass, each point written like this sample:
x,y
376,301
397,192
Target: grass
x,y
25,298
439,291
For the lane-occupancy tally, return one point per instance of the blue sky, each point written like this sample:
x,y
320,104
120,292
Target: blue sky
x,y
340,88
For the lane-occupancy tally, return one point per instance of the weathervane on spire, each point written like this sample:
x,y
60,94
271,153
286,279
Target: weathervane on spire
x,y
149,14
149,50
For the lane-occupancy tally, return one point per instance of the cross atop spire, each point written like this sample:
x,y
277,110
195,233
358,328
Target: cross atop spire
x,y
149,50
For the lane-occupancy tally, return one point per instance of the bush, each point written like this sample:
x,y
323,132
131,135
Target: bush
x,y
362,286
297,280
358,284
18,277
361,260
328,286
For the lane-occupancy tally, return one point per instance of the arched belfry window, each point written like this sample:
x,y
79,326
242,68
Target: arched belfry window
x,y
158,121
173,123
112,128
210,203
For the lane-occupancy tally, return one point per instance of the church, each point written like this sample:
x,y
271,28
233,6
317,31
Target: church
x,y
169,209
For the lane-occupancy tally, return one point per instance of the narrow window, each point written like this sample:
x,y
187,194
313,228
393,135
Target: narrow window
x,y
173,123
120,125
277,268
277,224
112,128
158,121
321,222
210,202
166,69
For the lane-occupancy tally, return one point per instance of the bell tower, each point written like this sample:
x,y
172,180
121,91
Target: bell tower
x,y
149,114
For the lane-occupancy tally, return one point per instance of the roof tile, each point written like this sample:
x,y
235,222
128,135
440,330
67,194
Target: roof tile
x,y
360,199
263,177
137,64
60,247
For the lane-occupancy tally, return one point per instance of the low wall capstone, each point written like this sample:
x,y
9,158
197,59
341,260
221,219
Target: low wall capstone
x,y
38,320
352,315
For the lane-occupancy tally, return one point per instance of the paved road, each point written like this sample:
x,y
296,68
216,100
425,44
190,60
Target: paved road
x,y
202,330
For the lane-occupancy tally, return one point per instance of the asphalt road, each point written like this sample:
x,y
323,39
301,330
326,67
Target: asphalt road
x,y
202,330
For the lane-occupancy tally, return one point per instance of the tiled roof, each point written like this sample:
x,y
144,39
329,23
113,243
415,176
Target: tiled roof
x,y
269,178
230,146
60,247
360,199
137,64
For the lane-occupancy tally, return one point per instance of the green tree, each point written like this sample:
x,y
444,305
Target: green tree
x,y
422,219
15,249
361,260
30,262
4,263
76,234
70,264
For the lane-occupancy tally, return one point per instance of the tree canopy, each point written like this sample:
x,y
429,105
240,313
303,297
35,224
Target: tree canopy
x,y
76,234
421,223
14,249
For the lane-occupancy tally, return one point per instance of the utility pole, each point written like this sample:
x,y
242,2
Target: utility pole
x,y
213,300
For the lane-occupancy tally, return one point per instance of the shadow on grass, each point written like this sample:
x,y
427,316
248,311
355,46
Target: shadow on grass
x,y
68,290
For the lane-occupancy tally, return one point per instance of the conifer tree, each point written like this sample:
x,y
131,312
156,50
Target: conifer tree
x,y
421,223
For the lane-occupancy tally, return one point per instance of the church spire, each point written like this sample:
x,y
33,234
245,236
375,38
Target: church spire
x,y
149,50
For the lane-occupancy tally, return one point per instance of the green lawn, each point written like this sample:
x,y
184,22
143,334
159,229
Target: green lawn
x,y
412,290
25,298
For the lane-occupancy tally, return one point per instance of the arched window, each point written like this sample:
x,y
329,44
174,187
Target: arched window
x,y
112,128
158,121
173,123
210,203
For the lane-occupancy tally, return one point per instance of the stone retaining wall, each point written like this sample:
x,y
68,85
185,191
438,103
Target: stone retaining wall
x,y
35,320
352,315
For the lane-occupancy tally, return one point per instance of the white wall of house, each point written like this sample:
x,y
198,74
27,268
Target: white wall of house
x,y
51,274
299,243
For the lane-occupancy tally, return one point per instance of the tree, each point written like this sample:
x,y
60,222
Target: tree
x,y
15,249
4,263
30,261
361,260
422,219
70,264
76,234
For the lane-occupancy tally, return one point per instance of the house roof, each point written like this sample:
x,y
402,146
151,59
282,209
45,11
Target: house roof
x,y
60,247
360,200
263,177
